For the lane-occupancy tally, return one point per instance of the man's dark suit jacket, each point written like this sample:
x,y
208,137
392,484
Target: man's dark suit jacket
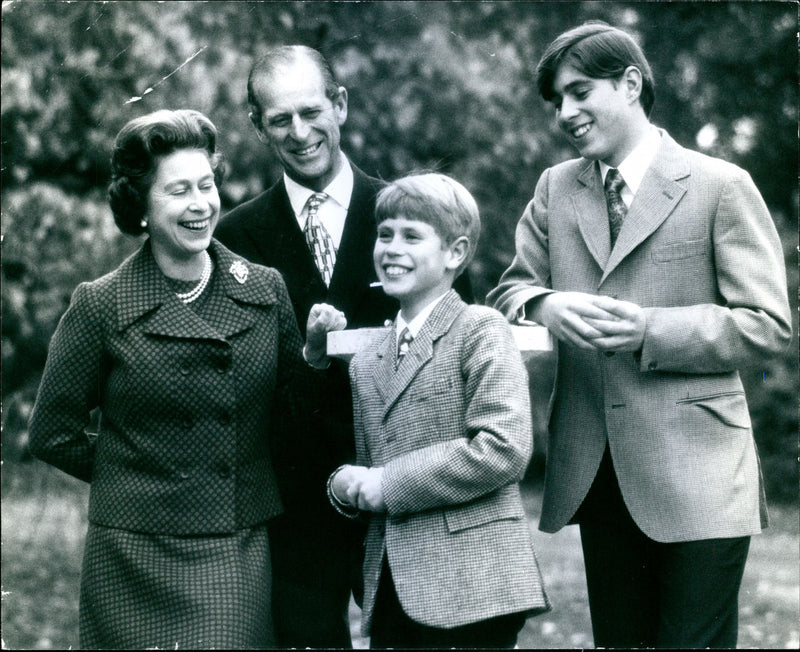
x,y
265,231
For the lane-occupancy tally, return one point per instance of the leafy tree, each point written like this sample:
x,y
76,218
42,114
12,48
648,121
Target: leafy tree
x,y
443,85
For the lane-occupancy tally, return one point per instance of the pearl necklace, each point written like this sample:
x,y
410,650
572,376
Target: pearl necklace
x,y
191,295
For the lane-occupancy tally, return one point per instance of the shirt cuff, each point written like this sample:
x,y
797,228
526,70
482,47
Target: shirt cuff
x,y
316,366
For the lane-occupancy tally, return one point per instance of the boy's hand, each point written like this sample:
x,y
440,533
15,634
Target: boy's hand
x,y
322,319
341,482
365,491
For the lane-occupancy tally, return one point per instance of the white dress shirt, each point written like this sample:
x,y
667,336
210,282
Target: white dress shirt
x,y
333,211
634,167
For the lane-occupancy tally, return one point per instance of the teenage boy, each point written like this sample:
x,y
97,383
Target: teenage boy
x,y
658,288
443,436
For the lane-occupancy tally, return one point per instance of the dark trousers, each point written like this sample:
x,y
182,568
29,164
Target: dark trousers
x,y
312,576
643,593
392,628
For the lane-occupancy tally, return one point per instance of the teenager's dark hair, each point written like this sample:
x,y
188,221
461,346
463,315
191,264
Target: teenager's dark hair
x,y
139,147
597,50
284,55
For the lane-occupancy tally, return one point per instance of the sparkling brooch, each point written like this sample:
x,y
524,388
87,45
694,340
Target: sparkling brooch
x,y
239,271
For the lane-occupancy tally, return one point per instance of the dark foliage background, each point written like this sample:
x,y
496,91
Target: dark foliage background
x,y
444,85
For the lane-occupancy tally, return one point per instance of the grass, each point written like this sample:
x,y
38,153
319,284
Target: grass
x,y
44,523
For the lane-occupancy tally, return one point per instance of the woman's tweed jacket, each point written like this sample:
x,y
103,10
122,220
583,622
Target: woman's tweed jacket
x,y
185,403
452,429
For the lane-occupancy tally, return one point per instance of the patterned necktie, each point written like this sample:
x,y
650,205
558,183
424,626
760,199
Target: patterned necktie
x,y
318,239
402,344
616,207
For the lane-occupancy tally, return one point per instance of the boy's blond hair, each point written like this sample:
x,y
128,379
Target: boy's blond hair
x,y
434,199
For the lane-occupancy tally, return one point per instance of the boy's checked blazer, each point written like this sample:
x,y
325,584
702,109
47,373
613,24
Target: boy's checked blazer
x,y
699,252
451,427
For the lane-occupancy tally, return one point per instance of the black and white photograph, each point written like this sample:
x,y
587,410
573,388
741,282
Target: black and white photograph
x,y
399,324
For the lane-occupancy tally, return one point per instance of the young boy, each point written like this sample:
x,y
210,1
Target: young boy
x,y
661,273
443,436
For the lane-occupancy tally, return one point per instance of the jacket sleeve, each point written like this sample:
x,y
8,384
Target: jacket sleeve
x,y
298,410
497,442
528,276
71,387
752,317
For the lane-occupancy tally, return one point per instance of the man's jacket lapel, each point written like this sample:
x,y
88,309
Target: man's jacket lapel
x,y
656,198
590,206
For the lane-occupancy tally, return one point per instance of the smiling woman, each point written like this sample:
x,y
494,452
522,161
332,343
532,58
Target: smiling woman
x,y
185,350
183,209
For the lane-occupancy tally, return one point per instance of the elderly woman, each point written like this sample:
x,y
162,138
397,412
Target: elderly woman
x,y
184,348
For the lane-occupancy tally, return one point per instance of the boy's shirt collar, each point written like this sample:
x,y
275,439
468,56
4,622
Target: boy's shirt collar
x,y
635,165
416,324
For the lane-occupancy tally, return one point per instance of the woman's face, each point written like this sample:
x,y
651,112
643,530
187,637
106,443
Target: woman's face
x,y
182,205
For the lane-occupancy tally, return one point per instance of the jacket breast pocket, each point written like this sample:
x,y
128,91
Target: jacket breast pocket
x,y
431,390
680,250
729,407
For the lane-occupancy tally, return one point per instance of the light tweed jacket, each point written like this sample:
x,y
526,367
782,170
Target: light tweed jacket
x,y
698,250
451,427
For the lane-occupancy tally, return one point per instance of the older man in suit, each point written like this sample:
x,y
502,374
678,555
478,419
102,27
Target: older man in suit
x,y
316,226
660,272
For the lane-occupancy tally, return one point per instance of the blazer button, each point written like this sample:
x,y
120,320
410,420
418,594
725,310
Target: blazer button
x,y
184,474
185,369
186,423
224,471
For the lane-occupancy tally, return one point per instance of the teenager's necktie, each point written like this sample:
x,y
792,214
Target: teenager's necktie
x,y
402,344
616,207
318,239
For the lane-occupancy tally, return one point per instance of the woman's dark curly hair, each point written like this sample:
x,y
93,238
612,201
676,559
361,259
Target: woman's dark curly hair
x,y
139,147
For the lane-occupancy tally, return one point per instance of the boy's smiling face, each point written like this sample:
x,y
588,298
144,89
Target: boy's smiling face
x,y
413,262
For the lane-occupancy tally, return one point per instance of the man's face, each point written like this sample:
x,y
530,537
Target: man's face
x,y
597,115
301,123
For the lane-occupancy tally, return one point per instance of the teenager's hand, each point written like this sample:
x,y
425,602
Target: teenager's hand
x,y
624,330
322,319
567,315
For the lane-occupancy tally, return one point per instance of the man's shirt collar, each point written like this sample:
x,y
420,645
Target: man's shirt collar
x,y
339,190
635,165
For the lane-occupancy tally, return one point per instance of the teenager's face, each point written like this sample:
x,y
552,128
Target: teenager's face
x,y
597,115
413,263
301,123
